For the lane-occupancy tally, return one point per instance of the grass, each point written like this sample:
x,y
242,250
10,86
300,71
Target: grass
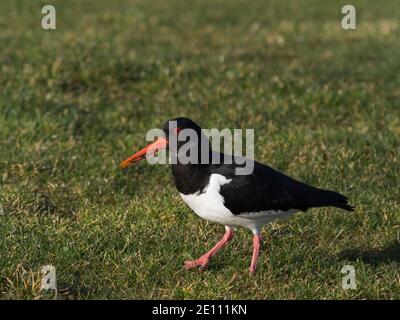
x,y
324,103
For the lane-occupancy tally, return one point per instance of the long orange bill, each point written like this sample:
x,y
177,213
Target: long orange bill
x,y
153,148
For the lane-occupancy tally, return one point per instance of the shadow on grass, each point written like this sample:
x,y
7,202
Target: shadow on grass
x,y
389,254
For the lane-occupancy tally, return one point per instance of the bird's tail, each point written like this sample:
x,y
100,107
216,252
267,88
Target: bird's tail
x,y
327,198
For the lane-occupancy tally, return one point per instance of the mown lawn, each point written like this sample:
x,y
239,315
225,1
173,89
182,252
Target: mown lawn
x,y
324,103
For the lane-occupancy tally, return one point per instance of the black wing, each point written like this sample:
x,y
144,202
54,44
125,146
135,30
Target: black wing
x,y
267,189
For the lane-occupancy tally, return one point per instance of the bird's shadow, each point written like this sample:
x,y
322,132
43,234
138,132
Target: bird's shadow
x,y
388,254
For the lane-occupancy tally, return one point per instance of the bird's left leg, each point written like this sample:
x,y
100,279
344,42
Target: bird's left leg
x,y
256,252
204,260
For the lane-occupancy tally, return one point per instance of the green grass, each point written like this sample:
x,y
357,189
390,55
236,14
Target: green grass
x,y
324,103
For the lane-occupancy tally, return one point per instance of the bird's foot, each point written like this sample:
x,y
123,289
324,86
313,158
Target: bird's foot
x,y
202,263
252,270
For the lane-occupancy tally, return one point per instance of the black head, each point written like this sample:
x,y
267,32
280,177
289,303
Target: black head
x,y
176,125
178,132
183,131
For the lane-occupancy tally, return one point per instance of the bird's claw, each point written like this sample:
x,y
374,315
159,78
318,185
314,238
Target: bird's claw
x,y
201,263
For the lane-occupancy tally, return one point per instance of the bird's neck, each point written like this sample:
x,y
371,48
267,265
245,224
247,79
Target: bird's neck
x,y
194,177
190,178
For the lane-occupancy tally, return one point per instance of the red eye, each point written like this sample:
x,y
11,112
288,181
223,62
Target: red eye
x,y
177,130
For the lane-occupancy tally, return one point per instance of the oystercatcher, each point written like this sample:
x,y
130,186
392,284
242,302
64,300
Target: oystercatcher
x,y
216,193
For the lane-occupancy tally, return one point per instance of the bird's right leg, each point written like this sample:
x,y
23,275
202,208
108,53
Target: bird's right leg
x,y
256,252
204,260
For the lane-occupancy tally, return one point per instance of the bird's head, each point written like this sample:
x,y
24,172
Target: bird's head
x,y
178,132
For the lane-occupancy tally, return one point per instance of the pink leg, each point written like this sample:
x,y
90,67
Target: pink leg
x,y
256,252
204,260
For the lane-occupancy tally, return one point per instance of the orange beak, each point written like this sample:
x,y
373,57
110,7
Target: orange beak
x,y
151,149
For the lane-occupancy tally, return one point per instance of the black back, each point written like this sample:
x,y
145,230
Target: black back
x,y
267,189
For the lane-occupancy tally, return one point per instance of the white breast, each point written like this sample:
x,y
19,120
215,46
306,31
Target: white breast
x,y
209,205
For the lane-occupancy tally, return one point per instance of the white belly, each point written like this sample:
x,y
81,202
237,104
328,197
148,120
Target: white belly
x,y
209,205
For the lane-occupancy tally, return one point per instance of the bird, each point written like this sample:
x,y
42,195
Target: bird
x,y
215,192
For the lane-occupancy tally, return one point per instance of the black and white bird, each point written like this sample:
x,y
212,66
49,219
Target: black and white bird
x,y
216,193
